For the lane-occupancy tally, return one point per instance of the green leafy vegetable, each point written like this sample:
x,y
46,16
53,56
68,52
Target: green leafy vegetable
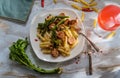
x,y
44,27
18,54
60,22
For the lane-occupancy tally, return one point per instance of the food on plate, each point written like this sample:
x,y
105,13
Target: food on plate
x,y
58,35
18,54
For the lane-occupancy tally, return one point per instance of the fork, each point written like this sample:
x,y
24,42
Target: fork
x,y
90,42
89,51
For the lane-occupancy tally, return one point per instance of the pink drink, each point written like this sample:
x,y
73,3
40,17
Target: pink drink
x,y
109,17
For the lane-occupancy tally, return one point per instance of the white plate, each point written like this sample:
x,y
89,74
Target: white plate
x,y
35,44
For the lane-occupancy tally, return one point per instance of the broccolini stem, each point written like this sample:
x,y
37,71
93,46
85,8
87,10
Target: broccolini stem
x,y
18,54
50,71
61,16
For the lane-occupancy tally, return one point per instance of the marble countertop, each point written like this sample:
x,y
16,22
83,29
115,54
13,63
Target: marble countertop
x,y
105,65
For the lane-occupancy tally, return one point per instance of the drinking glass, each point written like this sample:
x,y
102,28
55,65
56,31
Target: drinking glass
x,y
108,20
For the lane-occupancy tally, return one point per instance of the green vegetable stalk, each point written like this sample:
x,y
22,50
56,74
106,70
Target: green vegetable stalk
x,y
18,54
45,26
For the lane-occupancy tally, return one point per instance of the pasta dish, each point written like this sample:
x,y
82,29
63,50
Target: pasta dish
x,y
58,35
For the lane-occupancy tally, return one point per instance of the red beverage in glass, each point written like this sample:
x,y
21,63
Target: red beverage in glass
x,y
109,17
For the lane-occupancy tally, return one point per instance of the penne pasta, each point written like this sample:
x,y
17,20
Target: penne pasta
x,y
44,46
59,37
63,52
95,23
45,43
46,51
86,6
55,1
40,37
73,45
111,34
93,3
83,16
74,33
76,7
46,36
68,32
66,45
76,0
95,9
84,2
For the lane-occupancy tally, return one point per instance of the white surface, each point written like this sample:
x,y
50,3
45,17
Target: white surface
x,y
10,32
40,18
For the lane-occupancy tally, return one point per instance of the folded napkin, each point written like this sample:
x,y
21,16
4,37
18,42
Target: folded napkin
x,y
16,10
